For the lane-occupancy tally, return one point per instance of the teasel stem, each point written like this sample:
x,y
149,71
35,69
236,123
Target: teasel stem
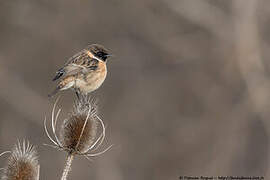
x,y
70,156
67,168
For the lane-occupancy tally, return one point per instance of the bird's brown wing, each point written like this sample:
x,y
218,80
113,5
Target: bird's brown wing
x,y
79,63
78,58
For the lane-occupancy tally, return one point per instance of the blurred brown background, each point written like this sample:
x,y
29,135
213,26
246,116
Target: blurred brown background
x,y
188,91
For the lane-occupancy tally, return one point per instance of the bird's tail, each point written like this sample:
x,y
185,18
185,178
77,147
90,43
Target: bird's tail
x,y
59,73
57,89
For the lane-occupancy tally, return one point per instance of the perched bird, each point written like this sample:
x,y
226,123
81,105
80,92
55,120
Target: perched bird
x,y
84,72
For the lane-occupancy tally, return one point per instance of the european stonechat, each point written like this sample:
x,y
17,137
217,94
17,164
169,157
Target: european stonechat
x,y
84,72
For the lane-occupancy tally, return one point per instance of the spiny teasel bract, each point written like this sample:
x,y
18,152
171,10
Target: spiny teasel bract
x,y
22,164
78,133
84,104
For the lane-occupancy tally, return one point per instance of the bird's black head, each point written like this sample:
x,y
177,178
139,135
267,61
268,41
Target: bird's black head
x,y
99,51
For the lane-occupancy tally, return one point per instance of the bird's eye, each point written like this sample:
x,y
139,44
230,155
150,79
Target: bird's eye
x,y
100,54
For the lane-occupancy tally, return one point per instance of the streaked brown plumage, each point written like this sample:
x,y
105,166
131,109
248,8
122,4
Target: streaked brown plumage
x,y
85,71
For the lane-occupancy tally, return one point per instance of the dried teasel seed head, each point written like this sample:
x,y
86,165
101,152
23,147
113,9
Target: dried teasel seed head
x,y
79,131
22,164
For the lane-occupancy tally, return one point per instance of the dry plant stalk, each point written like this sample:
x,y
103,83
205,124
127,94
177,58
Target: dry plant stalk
x,y
78,133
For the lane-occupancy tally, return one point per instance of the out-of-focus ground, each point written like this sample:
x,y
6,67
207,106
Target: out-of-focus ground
x,y
187,93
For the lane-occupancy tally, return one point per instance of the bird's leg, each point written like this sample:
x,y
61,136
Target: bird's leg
x,y
84,76
78,94
77,90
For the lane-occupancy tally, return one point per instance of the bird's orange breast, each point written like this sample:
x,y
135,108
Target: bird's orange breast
x,y
93,79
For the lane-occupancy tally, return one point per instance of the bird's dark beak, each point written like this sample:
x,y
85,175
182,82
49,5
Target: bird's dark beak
x,y
109,55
